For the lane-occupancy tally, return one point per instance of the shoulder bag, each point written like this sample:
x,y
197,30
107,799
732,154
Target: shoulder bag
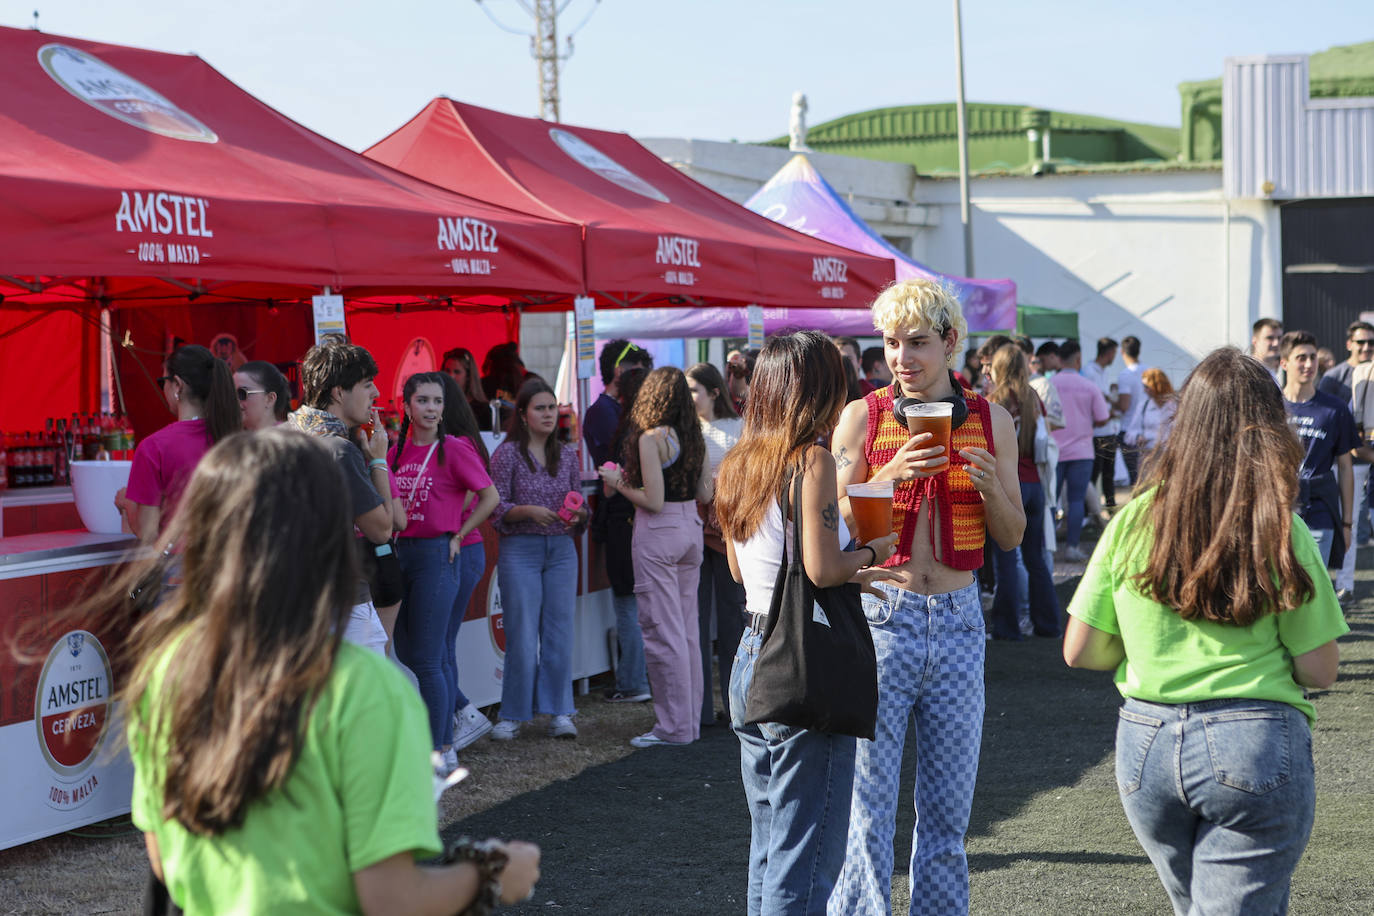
x,y
816,668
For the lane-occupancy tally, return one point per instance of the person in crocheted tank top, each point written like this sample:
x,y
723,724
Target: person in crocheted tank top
x,y
928,629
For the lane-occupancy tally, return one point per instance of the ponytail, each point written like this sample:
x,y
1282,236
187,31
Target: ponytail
x,y
401,440
223,416
210,383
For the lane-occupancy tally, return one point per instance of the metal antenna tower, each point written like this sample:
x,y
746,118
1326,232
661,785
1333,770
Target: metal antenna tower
x,y
544,46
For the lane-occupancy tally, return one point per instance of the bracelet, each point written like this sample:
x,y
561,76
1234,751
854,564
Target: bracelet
x,y
377,463
490,859
871,551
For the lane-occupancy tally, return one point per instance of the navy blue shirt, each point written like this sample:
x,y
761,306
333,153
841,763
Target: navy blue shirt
x,y
1326,429
598,428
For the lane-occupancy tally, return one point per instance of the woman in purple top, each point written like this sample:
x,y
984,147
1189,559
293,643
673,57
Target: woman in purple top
x,y
537,565
199,389
434,474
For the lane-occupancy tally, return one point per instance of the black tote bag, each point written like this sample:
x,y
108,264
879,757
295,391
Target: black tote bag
x,y
816,668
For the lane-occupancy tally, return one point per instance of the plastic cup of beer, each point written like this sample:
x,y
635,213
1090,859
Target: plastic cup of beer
x,y
933,418
871,504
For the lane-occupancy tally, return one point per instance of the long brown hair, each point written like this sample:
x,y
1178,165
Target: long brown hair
x,y
1224,483
709,377
796,397
1013,391
249,638
665,400
518,430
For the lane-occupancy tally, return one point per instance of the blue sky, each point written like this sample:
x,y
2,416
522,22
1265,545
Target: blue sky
x,y
714,69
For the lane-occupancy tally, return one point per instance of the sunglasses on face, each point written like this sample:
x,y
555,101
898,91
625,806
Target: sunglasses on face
x,y
243,393
164,379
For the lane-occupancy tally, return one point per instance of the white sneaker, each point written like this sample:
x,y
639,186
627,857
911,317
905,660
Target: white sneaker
x,y
468,725
562,727
1075,555
445,762
649,739
505,730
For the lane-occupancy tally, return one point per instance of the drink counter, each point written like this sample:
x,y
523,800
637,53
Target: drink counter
x,y
62,766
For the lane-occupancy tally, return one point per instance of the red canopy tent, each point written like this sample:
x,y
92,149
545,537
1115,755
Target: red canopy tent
x,y
135,178
653,235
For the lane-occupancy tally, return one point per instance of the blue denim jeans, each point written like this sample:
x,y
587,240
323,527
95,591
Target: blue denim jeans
x,y
431,581
630,676
930,675
1325,538
1074,475
1044,603
797,784
472,562
538,579
1221,796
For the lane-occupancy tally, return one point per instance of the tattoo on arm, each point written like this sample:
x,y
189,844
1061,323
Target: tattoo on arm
x,y
841,461
830,517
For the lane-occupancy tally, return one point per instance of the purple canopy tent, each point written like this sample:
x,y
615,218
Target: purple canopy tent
x,y
799,198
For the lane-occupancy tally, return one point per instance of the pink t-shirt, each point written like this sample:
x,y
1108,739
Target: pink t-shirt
x,y
436,507
1084,407
163,463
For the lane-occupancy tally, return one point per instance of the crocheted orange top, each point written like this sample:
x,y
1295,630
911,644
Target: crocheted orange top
x,y
957,528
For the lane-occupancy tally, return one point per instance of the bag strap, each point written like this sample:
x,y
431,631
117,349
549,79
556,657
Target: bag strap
x,y
418,474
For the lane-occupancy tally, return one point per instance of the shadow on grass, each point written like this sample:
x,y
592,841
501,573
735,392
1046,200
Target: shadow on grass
x,y
991,861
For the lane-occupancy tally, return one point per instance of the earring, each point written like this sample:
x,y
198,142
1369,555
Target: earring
x,y
176,395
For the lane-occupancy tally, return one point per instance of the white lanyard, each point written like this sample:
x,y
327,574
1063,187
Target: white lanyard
x,y
418,474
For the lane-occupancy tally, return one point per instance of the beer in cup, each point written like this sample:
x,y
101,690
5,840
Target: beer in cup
x,y
933,418
871,504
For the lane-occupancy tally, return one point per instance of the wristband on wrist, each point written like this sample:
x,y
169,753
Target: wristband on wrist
x,y
377,463
873,553
489,858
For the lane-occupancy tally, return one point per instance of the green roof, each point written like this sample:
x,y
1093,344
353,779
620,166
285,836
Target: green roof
x,y
1341,72
925,136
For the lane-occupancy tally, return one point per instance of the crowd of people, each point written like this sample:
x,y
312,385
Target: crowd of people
x,y
327,575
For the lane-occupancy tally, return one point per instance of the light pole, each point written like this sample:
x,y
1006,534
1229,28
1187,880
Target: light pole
x,y
961,113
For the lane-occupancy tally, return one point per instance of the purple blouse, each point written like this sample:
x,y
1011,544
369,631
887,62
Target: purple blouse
x,y
519,486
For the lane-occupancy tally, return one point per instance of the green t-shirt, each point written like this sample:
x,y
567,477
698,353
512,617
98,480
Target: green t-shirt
x,y
361,791
1172,660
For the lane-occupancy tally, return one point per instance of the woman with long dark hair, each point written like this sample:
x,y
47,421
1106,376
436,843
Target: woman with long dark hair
x,y
1209,599
460,366
199,389
435,475
664,475
468,722
797,782
718,591
537,564
1011,388
275,765
264,395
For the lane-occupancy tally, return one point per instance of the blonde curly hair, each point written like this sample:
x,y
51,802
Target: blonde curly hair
x,y
917,302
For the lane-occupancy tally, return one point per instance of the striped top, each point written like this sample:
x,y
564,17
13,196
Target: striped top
x,y
957,527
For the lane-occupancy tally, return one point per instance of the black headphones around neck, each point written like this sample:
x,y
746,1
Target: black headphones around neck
x,y
957,417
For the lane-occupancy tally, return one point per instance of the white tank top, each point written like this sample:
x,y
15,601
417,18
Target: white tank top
x,y
761,555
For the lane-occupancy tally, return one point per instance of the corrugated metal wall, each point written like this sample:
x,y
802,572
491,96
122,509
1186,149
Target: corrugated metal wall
x,y
1272,132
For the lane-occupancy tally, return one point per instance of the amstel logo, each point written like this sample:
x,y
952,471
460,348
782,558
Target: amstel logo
x,y
496,619
118,95
71,710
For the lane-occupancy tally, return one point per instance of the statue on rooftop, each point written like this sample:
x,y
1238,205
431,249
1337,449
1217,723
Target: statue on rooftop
x,y
796,124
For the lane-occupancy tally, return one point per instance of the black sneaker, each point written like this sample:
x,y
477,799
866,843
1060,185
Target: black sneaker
x,y
616,696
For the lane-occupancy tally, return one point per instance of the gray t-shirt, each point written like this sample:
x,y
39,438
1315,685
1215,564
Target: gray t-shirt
x,y
362,495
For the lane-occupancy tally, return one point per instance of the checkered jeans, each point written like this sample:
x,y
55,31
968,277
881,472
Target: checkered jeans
x,y
930,673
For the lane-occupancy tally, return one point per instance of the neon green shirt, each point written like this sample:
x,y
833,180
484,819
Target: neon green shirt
x,y
360,792
1172,660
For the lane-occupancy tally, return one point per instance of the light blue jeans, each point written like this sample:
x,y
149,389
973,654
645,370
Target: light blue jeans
x,y
1325,538
472,562
1221,796
431,580
930,679
538,579
797,785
